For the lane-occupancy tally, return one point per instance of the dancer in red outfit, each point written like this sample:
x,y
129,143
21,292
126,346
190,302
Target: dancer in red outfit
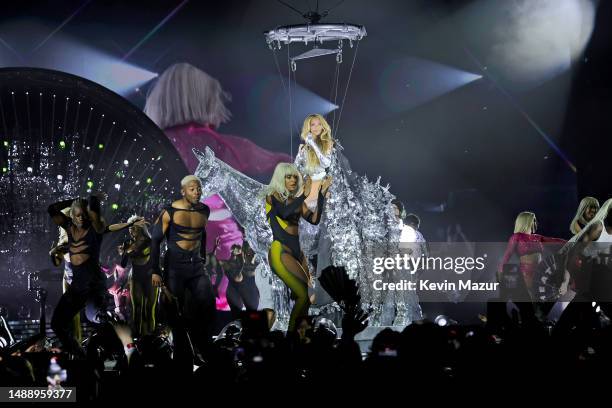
x,y
528,246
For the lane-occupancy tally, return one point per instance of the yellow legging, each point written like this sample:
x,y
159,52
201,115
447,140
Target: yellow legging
x,y
144,300
298,287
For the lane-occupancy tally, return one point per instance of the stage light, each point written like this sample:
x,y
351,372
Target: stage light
x,y
126,162
62,144
91,167
441,320
90,184
6,143
115,206
137,183
60,177
100,146
29,169
149,180
117,186
4,169
538,40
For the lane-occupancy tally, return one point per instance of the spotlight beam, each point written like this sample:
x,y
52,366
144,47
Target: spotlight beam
x,y
40,117
525,115
105,149
85,134
65,119
76,118
11,49
53,122
91,153
58,28
110,163
154,30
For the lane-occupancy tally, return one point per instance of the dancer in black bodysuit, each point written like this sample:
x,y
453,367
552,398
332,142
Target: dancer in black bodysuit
x,y
137,250
85,228
183,225
240,272
285,196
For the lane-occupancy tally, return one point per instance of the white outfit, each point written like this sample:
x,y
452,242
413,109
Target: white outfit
x,y
603,244
318,172
410,235
604,236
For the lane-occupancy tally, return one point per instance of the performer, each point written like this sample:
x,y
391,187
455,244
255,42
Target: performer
x,y
137,250
117,281
59,253
85,229
285,196
240,273
407,308
314,157
409,227
586,211
589,267
183,225
528,246
214,269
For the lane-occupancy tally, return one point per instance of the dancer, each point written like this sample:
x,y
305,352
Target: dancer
x,y
137,250
183,225
411,240
409,227
589,267
240,273
285,196
59,253
528,246
586,211
214,269
85,229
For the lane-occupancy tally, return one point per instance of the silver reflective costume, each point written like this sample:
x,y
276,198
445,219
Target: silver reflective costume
x,y
325,160
357,225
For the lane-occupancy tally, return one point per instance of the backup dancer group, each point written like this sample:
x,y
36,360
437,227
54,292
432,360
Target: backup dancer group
x,y
186,271
582,264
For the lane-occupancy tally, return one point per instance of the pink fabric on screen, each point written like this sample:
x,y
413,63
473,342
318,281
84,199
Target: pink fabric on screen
x,y
240,153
